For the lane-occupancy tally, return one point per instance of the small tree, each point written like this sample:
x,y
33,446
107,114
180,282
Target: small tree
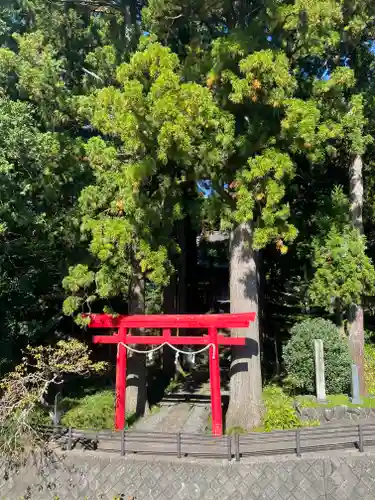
x,y
25,390
299,356
344,273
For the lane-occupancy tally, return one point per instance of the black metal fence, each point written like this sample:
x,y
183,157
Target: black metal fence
x,y
289,442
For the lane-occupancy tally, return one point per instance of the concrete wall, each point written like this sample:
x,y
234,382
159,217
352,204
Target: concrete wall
x,y
86,475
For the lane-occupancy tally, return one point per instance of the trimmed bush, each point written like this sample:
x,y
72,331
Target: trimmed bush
x,y
298,357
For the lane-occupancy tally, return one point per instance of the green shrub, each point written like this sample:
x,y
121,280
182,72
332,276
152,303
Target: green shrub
x,y
279,410
280,413
40,417
91,412
298,356
370,368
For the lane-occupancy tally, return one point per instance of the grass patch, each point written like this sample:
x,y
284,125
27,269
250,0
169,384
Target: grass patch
x,y
94,411
332,401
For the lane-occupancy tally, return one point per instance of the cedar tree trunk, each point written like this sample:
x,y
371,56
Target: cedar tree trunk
x,y
356,319
246,379
136,380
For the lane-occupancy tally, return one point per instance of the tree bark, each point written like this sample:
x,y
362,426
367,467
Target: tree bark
x,y
356,318
245,406
136,380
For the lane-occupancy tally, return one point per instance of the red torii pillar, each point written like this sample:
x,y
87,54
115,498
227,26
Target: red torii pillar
x,y
166,322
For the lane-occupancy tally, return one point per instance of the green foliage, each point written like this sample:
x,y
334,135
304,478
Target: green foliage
x,y
173,386
312,28
41,175
369,368
39,76
266,105
25,391
343,271
280,412
266,175
167,132
39,417
298,355
96,411
256,188
334,400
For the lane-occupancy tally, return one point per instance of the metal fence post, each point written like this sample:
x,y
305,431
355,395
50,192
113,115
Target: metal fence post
x,y
179,444
360,432
70,438
229,447
298,442
123,442
237,447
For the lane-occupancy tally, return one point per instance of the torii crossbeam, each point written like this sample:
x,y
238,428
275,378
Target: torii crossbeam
x,y
166,323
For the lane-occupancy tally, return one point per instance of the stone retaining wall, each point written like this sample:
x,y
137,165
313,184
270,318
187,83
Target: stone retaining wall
x,y
92,476
326,415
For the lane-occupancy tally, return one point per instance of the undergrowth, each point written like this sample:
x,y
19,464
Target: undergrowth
x,y
95,411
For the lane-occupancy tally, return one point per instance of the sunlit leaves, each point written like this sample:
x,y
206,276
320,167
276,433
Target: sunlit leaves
x,y
262,183
79,277
40,174
314,24
161,132
267,77
343,271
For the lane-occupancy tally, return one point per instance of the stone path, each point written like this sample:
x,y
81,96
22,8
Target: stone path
x,y
153,421
179,416
197,420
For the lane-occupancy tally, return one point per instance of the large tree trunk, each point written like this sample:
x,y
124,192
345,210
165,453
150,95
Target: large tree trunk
x,y
136,380
246,379
356,319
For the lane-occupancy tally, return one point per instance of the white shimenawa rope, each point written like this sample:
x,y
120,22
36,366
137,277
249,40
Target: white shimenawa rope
x,y
178,351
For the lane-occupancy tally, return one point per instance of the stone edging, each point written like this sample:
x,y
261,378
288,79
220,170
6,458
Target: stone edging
x,y
326,415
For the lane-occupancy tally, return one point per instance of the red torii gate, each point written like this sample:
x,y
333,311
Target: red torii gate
x,y
166,322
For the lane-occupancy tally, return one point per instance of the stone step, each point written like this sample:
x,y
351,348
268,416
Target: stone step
x,y
152,422
197,420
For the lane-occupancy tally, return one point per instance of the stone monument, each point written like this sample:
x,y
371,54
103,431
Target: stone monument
x,y
356,395
319,371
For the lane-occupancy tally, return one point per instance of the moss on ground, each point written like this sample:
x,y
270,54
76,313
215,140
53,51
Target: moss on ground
x,y
332,401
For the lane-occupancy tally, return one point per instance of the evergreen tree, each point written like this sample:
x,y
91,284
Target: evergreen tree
x,y
161,133
279,70
51,53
